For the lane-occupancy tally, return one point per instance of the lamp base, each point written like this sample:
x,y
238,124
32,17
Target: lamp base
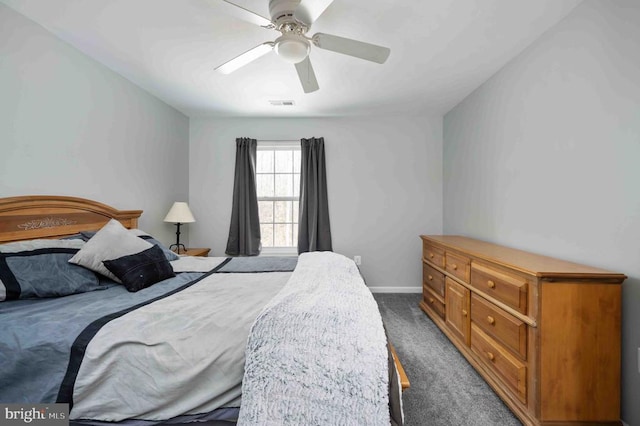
x,y
177,245
177,248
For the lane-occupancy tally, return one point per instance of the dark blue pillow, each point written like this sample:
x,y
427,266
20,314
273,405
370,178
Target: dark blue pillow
x,y
141,270
44,272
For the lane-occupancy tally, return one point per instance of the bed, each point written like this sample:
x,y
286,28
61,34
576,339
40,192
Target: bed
x,y
214,341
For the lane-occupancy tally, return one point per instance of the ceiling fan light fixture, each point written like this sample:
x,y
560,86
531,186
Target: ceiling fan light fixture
x,y
292,48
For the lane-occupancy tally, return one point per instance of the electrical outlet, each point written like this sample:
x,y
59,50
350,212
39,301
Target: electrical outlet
x,y
358,260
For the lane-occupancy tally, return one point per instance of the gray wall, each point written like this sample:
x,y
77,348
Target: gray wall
x,y
544,156
70,126
384,179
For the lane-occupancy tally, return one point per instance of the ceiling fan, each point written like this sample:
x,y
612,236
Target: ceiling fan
x,y
293,19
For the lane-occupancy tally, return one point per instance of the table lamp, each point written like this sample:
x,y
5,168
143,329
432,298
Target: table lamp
x,y
179,214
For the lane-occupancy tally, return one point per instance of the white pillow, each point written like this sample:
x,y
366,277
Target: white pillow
x,y
111,242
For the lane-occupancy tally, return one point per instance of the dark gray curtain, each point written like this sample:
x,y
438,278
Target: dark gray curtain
x,y
314,231
244,231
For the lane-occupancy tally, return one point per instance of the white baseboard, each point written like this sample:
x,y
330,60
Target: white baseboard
x,y
395,289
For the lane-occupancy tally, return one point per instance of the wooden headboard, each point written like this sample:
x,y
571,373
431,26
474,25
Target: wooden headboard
x,y
50,216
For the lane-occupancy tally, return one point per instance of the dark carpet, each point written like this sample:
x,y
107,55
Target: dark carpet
x,y
445,390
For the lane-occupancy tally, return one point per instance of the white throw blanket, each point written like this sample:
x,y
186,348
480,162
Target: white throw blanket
x,y
317,353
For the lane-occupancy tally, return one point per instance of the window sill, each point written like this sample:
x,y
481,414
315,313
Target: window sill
x,y
279,251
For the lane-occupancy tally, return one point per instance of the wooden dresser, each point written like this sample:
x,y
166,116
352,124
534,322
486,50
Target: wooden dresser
x,y
544,333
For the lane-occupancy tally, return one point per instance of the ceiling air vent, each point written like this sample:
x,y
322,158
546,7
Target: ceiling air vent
x,y
282,103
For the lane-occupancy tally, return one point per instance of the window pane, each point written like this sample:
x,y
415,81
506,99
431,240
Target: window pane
x,y
283,235
265,211
264,162
284,186
284,211
278,175
266,235
296,185
264,184
296,161
284,161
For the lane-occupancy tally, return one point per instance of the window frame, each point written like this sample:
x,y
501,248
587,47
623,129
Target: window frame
x,y
282,145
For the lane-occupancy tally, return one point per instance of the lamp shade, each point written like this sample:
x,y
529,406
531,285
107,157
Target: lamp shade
x,y
179,213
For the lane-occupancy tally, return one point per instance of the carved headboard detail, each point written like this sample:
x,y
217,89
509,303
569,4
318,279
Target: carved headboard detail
x,y
51,216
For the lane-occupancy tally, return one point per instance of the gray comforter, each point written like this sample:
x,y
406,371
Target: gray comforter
x,y
36,335
178,336
188,350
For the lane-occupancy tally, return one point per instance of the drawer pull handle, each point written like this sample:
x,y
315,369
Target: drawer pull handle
x,y
430,255
430,278
431,300
490,356
455,267
490,320
491,284
464,312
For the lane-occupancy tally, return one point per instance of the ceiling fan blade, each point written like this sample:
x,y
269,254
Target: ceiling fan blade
x,y
307,76
347,46
243,59
309,10
245,14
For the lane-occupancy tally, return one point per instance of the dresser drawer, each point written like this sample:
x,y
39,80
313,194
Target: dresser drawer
x,y
432,278
457,266
433,254
500,325
508,288
433,303
457,303
508,368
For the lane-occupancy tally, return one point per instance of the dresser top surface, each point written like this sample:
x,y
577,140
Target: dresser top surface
x,y
530,263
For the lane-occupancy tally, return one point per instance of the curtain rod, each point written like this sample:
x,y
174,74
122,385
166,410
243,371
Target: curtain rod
x,y
278,140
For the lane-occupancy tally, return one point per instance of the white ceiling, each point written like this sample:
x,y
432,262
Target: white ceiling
x,y
441,50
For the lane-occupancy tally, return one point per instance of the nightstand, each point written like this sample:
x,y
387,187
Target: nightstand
x,y
204,252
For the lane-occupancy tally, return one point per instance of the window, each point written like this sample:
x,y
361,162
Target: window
x,y
278,187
